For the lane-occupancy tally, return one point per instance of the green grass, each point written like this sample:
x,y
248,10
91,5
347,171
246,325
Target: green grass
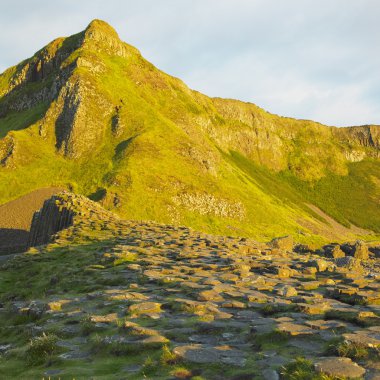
x,y
175,141
303,369
19,120
350,199
41,349
270,341
339,347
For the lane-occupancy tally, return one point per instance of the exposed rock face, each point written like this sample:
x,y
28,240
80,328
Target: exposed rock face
x,y
62,211
53,217
207,204
16,216
77,129
103,37
262,137
7,150
366,135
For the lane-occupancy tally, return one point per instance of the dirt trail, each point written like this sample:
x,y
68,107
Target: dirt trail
x,y
332,229
16,216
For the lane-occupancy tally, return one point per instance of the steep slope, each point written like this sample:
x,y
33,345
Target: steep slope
x,y
89,113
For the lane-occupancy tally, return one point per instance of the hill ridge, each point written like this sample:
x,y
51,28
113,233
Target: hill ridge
x,y
90,114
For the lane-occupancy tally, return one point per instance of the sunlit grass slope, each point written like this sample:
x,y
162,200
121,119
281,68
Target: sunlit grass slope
x,y
158,150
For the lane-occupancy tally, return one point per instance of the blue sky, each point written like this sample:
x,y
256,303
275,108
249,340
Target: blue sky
x,y
308,59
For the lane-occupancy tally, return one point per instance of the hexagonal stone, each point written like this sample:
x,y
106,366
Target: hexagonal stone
x,y
317,308
145,308
198,353
234,304
283,272
294,329
363,338
348,262
153,340
210,295
321,324
320,264
339,367
310,285
287,291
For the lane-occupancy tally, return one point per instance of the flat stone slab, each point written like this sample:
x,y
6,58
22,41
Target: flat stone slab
x,y
364,339
321,324
306,345
270,374
339,367
145,308
294,329
198,353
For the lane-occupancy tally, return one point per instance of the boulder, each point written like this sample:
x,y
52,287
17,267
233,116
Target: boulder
x,y
361,250
288,291
286,243
320,264
336,252
348,262
283,271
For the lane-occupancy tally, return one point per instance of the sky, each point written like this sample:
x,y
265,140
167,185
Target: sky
x,y
308,59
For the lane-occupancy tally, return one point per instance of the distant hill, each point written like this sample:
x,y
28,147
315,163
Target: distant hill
x,y
88,113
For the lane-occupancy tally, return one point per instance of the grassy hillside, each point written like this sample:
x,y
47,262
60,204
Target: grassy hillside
x,y
89,113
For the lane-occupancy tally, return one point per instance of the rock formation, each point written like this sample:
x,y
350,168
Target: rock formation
x,y
119,292
53,217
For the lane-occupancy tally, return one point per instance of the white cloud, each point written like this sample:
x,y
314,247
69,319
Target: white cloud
x,y
301,58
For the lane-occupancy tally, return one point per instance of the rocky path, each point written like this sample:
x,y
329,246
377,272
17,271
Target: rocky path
x,y
166,302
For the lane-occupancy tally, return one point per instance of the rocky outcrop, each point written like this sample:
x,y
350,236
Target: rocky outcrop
x,y
62,211
53,217
53,73
7,150
367,137
207,204
103,37
286,243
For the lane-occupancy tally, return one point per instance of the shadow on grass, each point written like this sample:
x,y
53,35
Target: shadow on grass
x,y
13,240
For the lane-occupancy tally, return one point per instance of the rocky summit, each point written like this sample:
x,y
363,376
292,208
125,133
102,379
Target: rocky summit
x,y
148,231
101,297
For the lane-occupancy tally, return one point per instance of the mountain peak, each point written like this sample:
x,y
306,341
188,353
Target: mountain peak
x,y
105,37
99,28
